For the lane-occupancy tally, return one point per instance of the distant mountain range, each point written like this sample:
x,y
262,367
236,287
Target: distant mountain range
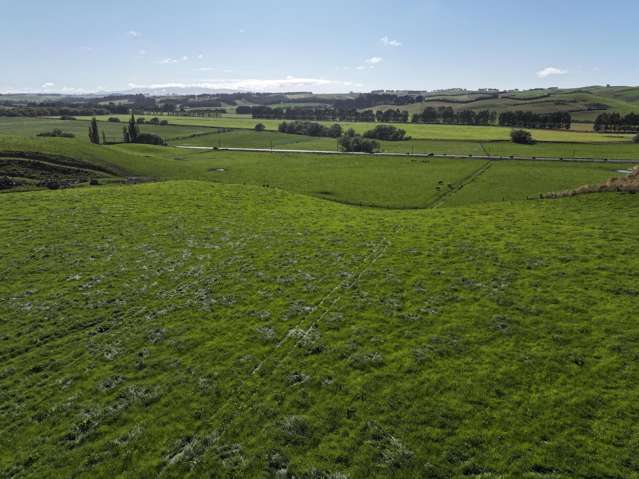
x,y
176,90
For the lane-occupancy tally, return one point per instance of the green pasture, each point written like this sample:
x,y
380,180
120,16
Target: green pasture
x,y
416,131
192,329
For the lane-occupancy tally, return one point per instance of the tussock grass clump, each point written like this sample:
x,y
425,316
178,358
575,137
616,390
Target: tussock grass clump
x,y
295,430
266,334
310,341
390,451
366,360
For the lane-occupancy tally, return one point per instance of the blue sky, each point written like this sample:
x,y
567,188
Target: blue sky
x,y
322,46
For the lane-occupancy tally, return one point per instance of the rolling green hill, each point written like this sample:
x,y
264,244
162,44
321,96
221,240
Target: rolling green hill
x,y
584,103
186,329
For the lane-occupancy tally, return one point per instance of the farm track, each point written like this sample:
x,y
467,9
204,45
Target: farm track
x,y
415,155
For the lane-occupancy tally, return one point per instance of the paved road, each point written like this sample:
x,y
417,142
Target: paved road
x,y
416,155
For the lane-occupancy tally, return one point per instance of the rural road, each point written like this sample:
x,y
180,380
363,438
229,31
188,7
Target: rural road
x,y
416,155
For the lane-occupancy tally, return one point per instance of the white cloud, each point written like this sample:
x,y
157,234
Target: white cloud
x,y
262,85
48,85
387,42
369,63
134,34
142,52
200,56
550,71
171,61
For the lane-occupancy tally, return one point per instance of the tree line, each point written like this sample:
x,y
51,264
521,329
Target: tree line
x,y
370,100
326,114
310,129
130,133
617,122
446,114
528,119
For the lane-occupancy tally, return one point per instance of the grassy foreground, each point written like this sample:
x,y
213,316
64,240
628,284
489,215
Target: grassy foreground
x,y
188,329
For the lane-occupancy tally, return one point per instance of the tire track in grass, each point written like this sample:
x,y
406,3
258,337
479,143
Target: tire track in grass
x,y
345,284
441,198
245,404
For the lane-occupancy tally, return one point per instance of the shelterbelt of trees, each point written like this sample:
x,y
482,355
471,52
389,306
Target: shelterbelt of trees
x,y
617,122
446,114
309,128
328,114
529,119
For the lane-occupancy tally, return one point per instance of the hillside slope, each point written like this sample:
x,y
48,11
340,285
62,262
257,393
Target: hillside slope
x,y
187,329
584,103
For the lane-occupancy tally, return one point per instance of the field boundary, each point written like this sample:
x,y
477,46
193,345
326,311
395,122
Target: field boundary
x,y
413,155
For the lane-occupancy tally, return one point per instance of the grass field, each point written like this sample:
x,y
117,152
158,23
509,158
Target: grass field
x,y
609,147
389,182
417,131
31,127
189,329
267,139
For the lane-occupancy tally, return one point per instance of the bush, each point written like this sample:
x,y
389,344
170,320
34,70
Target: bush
x,y
57,133
636,138
164,122
141,121
260,127
386,132
358,144
521,137
67,117
154,121
150,139
114,119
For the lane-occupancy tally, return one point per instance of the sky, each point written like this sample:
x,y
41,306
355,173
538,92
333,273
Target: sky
x,y
320,46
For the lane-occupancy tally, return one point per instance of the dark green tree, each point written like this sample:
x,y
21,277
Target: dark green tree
x,y
522,137
94,133
133,130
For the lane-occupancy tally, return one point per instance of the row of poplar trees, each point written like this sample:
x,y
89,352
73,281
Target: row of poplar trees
x,y
130,132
